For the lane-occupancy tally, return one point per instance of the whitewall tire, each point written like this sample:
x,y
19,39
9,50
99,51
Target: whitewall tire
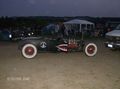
x,y
29,51
90,49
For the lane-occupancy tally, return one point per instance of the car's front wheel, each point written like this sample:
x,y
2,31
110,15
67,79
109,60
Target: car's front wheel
x,y
90,49
29,51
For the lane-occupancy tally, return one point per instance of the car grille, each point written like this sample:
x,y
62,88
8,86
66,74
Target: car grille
x,y
113,38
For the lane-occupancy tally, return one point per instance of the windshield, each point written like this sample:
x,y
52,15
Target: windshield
x,y
118,27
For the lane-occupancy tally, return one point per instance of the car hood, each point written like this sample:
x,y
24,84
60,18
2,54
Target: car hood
x,y
113,33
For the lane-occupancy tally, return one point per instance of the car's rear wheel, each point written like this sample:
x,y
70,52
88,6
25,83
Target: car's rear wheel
x,y
90,49
29,51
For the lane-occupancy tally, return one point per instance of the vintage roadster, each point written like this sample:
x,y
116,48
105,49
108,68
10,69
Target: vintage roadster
x,y
67,39
31,46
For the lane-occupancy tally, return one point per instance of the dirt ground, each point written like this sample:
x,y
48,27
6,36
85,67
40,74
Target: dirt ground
x,y
59,70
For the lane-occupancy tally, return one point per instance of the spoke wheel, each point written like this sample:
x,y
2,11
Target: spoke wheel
x,y
29,51
91,49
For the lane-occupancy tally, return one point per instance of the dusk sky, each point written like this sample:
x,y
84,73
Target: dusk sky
x,y
106,8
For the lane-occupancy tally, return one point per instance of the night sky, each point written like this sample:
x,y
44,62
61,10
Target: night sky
x,y
101,8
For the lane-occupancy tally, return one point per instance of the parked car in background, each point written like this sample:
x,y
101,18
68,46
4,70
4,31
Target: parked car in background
x,y
5,35
113,38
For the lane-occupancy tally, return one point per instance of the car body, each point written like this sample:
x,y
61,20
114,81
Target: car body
x,y
113,38
56,38
20,34
30,46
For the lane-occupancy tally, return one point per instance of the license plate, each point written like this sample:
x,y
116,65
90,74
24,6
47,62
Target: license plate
x,y
109,45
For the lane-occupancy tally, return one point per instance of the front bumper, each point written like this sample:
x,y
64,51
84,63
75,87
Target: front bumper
x,y
112,45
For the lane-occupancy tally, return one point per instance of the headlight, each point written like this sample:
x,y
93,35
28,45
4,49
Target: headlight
x,y
32,33
22,34
10,36
29,34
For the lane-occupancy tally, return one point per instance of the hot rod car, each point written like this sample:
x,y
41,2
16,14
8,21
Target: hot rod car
x,y
58,38
31,46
